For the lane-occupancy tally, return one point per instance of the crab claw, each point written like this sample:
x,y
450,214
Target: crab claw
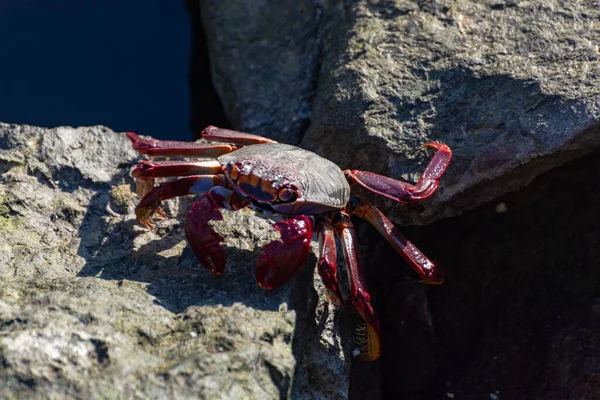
x,y
203,240
282,259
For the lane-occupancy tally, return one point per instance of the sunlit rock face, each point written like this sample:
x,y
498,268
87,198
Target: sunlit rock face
x,y
511,88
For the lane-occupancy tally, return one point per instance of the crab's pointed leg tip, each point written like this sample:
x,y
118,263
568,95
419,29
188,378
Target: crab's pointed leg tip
x,y
161,213
435,282
147,224
264,286
433,276
334,298
132,136
432,145
370,348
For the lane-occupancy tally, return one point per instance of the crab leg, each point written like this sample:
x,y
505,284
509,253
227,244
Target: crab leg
x,y
327,259
215,134
150,203
157,169
360,296
282,259
172,148
145,172
426,270
404,192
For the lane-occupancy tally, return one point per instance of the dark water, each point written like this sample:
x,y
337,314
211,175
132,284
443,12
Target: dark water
x,y
123,64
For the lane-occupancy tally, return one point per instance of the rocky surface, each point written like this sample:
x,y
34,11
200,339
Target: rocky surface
x,y
94,306
264,60
511,86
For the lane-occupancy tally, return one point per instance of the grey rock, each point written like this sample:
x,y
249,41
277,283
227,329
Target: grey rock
x,y
94,306
264,58
511,87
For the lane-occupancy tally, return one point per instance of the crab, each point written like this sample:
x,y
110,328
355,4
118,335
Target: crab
x,y
310,192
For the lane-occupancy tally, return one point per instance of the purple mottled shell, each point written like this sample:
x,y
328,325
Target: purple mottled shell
x,y
322,184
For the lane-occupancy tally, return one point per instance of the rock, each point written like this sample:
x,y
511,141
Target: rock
x,y
264,59
518,312
511,87
94,306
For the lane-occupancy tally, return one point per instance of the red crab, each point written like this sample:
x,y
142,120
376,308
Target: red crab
x,y
310,191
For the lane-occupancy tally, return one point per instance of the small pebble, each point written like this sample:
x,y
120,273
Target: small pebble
x,y
501,208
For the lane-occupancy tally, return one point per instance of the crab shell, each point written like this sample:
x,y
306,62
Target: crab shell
x,y
261,172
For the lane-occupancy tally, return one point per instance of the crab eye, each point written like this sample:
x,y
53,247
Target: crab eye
x,y
287,194
233,171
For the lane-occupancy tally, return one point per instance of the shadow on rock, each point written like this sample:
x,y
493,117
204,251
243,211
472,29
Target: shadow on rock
x,y
115,247
518,311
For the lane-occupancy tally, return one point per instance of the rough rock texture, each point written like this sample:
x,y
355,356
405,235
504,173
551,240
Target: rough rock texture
x,y
94,306
511,86
264,60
